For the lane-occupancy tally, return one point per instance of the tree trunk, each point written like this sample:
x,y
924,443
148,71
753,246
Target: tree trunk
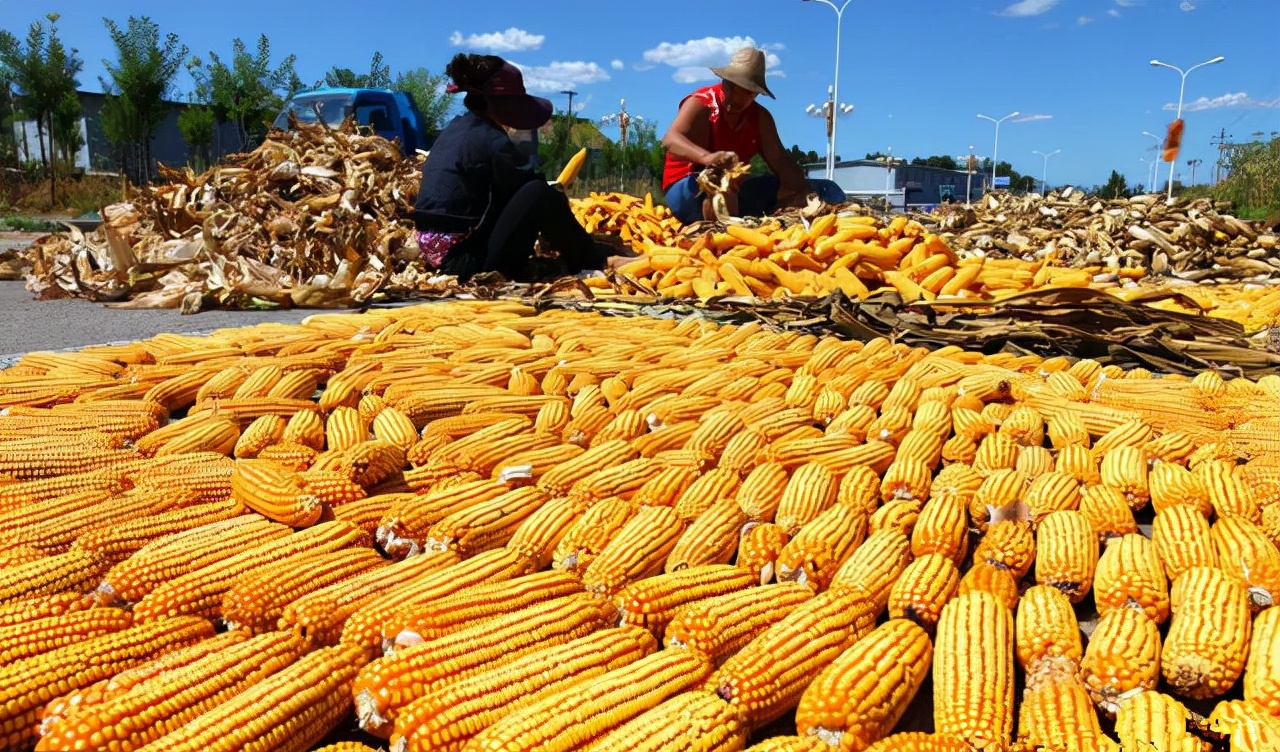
x,y
53,169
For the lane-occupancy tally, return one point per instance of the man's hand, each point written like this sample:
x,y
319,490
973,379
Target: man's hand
x,y
722,160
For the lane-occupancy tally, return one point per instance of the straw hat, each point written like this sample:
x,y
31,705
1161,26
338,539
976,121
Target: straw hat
x,y
746,69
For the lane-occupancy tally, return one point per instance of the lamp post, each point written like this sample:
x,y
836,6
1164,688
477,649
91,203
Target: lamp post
x,y
1151,174
1182,88
1044,179
829,111
889,162
995,150
1193,163
970,162
835,86
623,119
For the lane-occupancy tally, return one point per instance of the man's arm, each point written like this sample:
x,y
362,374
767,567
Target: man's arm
x,y
795,186
690,129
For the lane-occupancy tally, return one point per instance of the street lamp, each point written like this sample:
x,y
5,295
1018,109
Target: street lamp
x,y
1151,173
623,119
995,150
1193,163
889,162
1044,180
830,111
1181,90
835,85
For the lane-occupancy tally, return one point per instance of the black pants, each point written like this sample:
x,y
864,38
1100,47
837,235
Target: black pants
x,y
505,245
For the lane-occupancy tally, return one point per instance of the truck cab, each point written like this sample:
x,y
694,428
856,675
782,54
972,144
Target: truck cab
x,y
390,114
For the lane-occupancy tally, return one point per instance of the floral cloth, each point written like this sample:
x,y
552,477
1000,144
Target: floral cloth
x,y
435,245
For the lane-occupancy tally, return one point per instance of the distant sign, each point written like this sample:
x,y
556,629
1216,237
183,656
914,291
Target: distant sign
x,y
946,191
1002,181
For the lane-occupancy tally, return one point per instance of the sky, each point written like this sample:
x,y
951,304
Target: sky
x,y
917,73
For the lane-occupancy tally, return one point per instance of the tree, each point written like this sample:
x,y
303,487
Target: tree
x,y
44,71
196,123
143,75
64,128
942,162
247,91
1115,187
427,90
378,77
802,157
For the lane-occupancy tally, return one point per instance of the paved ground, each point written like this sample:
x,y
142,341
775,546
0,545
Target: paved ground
x,y
27,324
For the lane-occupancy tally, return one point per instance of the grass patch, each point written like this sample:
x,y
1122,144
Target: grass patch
x,y
75,196
19,223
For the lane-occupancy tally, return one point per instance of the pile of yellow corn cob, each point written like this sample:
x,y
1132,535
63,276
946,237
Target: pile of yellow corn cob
x,y
859,255
485,530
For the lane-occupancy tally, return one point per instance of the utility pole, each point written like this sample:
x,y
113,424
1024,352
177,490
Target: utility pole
x,y
571,94
1220,141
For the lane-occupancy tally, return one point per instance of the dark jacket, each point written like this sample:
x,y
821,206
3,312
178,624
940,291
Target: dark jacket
x,y
472,171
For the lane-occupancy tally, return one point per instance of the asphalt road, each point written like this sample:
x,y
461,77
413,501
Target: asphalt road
x,y
27,324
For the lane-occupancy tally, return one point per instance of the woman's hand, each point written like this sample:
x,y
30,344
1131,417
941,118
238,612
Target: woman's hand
x,y
722,159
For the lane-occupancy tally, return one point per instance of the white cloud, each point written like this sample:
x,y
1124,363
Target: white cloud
x,y
617,64
1237,99
1029,8
1113,13
1126,3
1083,21
561,75
1031,118
511,40
693,58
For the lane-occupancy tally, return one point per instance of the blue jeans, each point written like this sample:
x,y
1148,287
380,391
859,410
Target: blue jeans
x,y
757,196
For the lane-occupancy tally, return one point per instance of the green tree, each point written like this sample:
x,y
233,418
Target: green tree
x,y
246,91
196,123
802,157
427,91
941,161
44,72
1115,187
378,77
143,75
64,129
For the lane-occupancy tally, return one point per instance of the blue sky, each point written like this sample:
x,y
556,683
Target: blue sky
x,y
917,73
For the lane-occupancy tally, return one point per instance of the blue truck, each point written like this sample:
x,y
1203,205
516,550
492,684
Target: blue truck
x,y
390,114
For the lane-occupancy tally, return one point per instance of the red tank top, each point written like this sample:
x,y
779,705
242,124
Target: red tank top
x,y
743,140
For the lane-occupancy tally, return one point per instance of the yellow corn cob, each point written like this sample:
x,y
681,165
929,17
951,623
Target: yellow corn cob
x,y
368,512
651,603
1151,720
1171,484
447,718
664,488
1182,540
942,527
57,535
1171,446
15,522
1002,489
174,555
959,449
259,382
389,683
992,580
1051,492
406,524
1067,554
712,538
274,492
899,514
395,427
1125,470
1246,554
539,535
345,428
810,490
345,747
1129,574
1227,493
907,478
20,493
1208,641
860,697
742,451
484,526
908,741
814,555
260,434
459,426
720,626
28,684
638,550
1034,461
257,598
1056,714
694,717
161,704
364,626
995,452
860,487
1122,659
1262,673
413,626
119,540
569,718
1108,512
708,489
766,678
1047,630
973,672
311,696
75,571
43,635
1076,461
587,537
1008,545
761,492
1247,724
306,428
875,566
557,482
319,616
31,459
923,588
200,591
626,425
759,547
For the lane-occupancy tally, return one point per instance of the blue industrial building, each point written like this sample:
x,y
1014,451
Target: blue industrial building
x,y
908,186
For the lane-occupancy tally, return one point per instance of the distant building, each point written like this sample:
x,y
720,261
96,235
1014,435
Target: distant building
x,y
908,186
98,155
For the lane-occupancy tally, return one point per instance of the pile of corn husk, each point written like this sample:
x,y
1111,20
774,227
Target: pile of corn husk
x,y
313,217
1192,241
